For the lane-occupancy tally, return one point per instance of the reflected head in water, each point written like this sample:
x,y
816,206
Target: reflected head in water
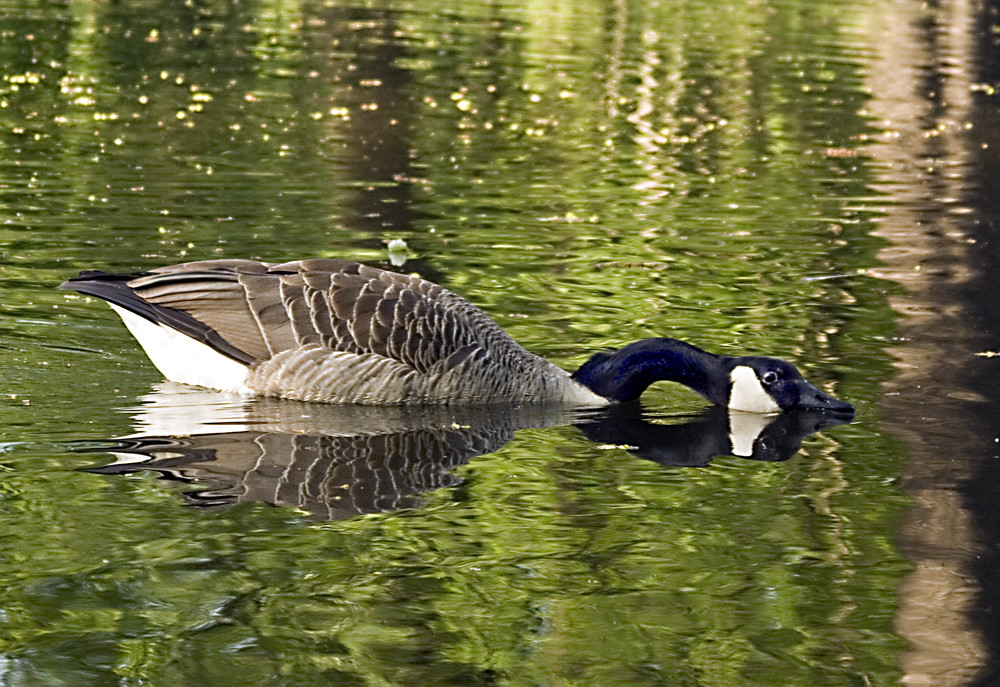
x,y
340,461
693,441
339,332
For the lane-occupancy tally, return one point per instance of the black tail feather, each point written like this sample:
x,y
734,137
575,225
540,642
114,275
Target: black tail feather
x,y
114,288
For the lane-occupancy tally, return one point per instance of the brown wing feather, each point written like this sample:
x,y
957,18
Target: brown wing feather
x,y
212,295
343,306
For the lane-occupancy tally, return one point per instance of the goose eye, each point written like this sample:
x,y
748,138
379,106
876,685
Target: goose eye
x,y
769,377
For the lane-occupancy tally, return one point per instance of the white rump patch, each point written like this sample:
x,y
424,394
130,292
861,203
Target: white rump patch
x,y
182,359
747,394
744,428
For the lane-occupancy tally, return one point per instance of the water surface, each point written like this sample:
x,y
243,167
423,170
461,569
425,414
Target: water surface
x,y
798,179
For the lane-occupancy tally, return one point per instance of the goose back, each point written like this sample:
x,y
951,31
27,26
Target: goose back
x,y
338,331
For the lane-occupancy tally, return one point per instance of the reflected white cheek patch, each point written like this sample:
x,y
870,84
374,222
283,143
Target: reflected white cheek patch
x,y
744,428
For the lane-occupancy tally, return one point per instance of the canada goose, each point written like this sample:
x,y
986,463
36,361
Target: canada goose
x,y
340,332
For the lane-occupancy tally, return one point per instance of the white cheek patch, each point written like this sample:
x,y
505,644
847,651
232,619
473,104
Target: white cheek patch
x,y
182,359
747,394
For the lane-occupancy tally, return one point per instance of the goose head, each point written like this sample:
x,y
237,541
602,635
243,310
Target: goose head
x,y
753,384
767,385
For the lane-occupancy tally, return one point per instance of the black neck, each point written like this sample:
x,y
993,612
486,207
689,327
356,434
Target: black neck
x,y
624,374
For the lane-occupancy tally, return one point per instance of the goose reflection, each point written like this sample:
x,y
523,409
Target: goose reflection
x,y
694,440
336,462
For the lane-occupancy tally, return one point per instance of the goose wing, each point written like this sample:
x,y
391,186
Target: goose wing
x,y
252,311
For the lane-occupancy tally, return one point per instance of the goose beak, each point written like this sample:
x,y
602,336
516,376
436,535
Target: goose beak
x,y
811,398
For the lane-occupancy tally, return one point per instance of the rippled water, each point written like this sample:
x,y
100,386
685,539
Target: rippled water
x,y
806,180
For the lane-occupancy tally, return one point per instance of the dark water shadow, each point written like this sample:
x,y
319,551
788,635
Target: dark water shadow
x,y
336,462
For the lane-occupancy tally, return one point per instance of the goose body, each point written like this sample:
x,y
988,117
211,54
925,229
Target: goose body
x,y
335,331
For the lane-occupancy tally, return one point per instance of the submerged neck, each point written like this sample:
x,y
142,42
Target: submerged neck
x,y
624,374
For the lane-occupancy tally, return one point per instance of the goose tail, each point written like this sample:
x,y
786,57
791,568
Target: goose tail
x,y
182,348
